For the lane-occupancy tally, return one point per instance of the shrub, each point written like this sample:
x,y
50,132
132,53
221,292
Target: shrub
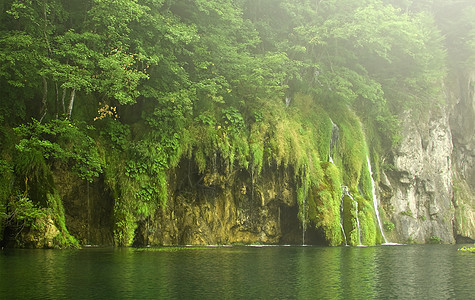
x,y
435,240
389,226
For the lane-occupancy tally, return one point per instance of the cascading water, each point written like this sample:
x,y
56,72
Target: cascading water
x,y
303,222
304,196
341,218
333,140
346,192
287,101
357,220
375,201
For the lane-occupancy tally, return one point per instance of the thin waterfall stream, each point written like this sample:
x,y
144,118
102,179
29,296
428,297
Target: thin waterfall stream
x,y
358,227
341,219
357,221
303,222
375,201
303,210
346,192
333,141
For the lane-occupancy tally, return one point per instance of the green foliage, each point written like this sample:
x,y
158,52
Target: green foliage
x,y
146,167
138,180
351,150
467,249
233,120
368,222
117,134
388,226
435,240
206,81
56,210
6,172
23,213
124,224
324,205
57,140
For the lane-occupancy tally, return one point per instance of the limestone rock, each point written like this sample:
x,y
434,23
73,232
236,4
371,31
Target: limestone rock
x,y
226,210
419,201
461,97
42,235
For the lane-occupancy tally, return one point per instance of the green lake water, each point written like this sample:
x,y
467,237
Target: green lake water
x,y
381,272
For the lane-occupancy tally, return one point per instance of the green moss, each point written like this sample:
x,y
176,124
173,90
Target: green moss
x,y
295,139
467,249
136,175
464,204
122,189
351,151
389,226
370,232
63,239
324,202
125,224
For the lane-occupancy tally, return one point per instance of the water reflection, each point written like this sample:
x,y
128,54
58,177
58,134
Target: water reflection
x,y
412,272
403,272
359,273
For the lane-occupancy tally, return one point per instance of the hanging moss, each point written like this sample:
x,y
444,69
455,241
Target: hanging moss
x,y
349,221
63,239
295,138
367,221
326,196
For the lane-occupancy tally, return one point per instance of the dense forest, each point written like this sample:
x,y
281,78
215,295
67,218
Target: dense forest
x,y
123,92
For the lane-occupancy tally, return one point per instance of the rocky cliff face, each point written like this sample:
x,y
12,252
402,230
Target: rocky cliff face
x,y
461,99
428,193
418,188
426,189
214,208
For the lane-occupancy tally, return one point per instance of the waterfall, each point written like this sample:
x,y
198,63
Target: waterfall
x,y
303,221
287,101
333,140
375,200
346,192
357,221
304,197
341,218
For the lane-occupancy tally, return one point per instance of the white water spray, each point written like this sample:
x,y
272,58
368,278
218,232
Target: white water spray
x,y
346,192
357,221
341,219
375,201
303,222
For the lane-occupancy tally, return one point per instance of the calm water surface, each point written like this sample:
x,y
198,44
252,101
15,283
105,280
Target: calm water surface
x,y
382,272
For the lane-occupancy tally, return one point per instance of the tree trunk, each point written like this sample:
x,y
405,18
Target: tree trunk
x,y
44,107
71,103
63,97
56,104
